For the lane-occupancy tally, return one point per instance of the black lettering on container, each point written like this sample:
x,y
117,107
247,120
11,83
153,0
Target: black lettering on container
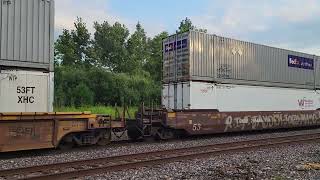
x,y
25,89
25,99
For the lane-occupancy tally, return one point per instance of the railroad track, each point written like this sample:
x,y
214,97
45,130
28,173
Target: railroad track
x,y
83,168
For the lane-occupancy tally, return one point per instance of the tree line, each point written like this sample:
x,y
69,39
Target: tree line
x,y
110,66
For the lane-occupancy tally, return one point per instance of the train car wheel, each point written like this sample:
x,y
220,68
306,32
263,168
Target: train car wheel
x,y
103,142
106,139
135,133
163,134
64,145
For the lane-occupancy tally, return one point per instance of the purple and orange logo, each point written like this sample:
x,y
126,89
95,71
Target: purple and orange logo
x,y
305,103
300,62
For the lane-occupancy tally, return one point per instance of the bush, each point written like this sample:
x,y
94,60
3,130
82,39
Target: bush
x,y
83,95
97,86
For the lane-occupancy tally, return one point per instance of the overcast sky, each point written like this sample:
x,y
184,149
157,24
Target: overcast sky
x,y
290,24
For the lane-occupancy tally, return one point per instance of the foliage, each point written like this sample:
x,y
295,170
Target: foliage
x,y
110,45
111,67
186,25
65,49
138,50
154,65
73,47
98,109
83,86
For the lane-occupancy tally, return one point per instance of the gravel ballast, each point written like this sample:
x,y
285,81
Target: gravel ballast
x,y
284,162
262,163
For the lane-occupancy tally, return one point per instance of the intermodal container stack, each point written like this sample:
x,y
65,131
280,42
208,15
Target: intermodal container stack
x,y
26,55
203,71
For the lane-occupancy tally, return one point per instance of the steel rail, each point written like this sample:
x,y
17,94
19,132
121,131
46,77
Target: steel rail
x,y
82,168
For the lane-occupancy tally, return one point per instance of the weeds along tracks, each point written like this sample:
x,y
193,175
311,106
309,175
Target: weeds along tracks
x,y
115,163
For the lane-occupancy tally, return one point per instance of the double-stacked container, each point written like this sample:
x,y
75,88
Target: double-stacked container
x,y
203,71
26,56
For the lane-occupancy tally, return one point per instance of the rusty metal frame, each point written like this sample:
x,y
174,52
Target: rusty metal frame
x,y
76,122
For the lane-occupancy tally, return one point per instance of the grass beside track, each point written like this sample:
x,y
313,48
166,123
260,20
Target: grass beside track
x,y
97,110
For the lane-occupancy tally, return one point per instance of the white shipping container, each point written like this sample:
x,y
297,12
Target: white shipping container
x,y
229,97
26,91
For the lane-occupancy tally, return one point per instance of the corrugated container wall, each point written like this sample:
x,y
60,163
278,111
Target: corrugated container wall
x,y
27,33
196,56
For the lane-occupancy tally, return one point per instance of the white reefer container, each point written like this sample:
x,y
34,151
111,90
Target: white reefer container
x,y
230,97
26,91
27,33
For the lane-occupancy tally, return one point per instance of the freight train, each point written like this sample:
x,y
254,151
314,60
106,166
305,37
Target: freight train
x,y
211,84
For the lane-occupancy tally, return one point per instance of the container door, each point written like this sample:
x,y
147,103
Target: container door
x,y
7,29
180,88
24,91
171,96
183,95
175,96
168,96
186,96
11,83
165,95
36,95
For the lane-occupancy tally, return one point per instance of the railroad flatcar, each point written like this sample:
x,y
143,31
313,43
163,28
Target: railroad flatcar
x,y
167,124
25,131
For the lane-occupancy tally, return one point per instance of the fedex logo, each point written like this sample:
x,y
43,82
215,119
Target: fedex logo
x,y
293,61
300,62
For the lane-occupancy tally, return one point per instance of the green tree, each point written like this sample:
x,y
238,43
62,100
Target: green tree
x,y
67,81
83,95
110,45
60,95
154,65
65,49
186,25
82,41
73,47
112,68
138,49
102,84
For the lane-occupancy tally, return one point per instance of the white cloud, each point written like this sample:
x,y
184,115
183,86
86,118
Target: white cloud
x,y
255,16
298,11
237,18
67,12
290,46
310,50
248,20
